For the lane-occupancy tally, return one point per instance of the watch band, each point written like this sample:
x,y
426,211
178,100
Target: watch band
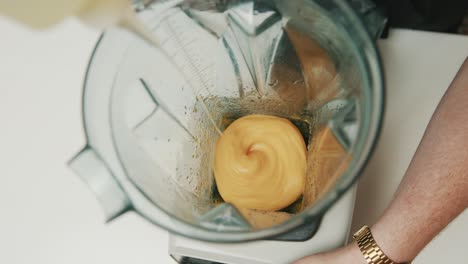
x,y
369,248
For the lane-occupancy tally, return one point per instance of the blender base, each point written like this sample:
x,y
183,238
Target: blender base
x,y
332,233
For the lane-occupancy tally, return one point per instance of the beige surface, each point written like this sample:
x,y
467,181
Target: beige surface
x,y
48,215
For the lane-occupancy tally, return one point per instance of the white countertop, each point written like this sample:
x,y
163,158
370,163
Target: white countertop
x,y
47,215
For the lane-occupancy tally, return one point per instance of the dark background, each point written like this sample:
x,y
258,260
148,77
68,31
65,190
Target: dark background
x,y
433,15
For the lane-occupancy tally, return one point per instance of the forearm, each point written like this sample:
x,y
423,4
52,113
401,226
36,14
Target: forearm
x,y
435,188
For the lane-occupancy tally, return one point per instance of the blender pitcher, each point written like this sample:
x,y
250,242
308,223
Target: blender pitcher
x,y
152,115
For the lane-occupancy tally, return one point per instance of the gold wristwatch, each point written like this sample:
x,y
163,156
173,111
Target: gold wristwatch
x,y
369,248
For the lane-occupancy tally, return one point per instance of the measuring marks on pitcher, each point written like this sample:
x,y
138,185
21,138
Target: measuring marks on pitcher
x,y
189,49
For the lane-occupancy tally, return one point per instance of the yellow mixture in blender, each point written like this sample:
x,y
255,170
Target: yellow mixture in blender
x,y
260,163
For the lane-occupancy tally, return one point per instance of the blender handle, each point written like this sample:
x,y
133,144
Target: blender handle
x,y
374,20
95,173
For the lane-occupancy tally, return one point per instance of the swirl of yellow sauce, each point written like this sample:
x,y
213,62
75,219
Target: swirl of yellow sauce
x,y
260,163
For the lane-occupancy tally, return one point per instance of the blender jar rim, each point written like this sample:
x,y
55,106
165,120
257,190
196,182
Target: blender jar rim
x,y
370,65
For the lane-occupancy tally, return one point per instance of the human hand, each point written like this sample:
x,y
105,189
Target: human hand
x,y
349,255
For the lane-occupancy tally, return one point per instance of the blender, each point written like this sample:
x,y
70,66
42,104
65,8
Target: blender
x,y
152,117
